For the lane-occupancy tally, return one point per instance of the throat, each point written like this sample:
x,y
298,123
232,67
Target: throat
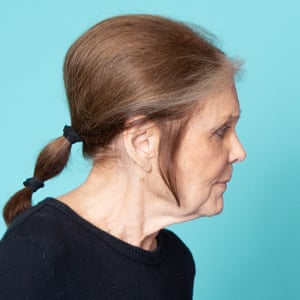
x,y
133,236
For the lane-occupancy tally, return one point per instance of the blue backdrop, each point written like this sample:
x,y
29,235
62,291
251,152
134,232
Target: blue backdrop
x,y
252,250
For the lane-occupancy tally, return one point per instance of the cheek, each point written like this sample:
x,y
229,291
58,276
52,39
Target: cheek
x,y
200,163
196,183
218,167
195,174
210,165
217,160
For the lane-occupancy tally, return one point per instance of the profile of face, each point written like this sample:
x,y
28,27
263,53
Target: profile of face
x,y
208,150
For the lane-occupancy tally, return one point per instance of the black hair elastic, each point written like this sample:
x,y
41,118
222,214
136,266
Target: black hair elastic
x,y
34,183
71,135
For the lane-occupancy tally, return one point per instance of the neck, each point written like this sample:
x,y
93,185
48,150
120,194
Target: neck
x,y
121,205
116,205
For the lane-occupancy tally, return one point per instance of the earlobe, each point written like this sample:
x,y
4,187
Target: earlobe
x,y
141,142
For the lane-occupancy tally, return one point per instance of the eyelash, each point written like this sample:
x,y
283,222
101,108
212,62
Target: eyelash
x,y
222,131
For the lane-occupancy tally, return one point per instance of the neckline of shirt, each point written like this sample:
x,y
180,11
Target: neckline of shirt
x,y
132,252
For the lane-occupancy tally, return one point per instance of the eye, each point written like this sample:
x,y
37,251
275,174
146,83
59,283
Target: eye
x,y
222,131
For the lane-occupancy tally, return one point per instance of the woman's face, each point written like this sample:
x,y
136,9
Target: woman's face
x,y
206,155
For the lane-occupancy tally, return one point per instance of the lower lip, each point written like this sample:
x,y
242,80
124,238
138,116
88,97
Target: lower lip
x,y
223,185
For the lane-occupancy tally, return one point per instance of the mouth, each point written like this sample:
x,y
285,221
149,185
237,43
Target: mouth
x,y
223,184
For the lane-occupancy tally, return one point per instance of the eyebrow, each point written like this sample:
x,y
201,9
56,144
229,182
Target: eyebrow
x,y
233,117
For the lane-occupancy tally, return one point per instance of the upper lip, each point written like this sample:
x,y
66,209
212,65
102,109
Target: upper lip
x,y
224,181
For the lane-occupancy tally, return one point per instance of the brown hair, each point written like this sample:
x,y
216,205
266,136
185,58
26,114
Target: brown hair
x,y
126,66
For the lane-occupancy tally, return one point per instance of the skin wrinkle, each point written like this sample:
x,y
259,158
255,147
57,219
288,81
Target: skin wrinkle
x,y
140,204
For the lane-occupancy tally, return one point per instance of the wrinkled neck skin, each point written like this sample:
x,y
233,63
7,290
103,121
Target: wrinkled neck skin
x,y
126,202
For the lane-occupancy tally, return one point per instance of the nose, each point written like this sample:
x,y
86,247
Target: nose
x,y
237,151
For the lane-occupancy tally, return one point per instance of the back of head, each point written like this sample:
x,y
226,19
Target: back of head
x,y
127,66
138,65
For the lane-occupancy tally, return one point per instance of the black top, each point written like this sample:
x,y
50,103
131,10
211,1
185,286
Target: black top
x,y
50,252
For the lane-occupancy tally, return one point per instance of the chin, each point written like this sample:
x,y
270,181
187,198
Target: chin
x,y
219,211
214,213
216,210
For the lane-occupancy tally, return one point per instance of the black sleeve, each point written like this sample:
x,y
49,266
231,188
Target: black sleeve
x,y
25,272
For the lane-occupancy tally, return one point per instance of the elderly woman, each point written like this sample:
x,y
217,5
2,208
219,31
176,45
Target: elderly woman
x,y
154,104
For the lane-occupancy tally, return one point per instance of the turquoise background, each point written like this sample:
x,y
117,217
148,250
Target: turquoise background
x,y
252,250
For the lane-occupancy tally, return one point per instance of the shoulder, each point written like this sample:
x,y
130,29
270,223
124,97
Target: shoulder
x,y
43,225
31,250
25,271
33,220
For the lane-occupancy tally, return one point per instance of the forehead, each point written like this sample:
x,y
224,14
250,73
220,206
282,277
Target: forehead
x,y
218,108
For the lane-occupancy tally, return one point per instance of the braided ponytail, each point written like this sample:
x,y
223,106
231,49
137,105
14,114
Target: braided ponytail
x,y
50,162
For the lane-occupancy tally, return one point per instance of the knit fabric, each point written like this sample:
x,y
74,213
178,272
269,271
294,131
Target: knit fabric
x,y
50,252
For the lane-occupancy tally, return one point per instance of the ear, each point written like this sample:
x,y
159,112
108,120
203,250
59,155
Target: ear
x,y
141,142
